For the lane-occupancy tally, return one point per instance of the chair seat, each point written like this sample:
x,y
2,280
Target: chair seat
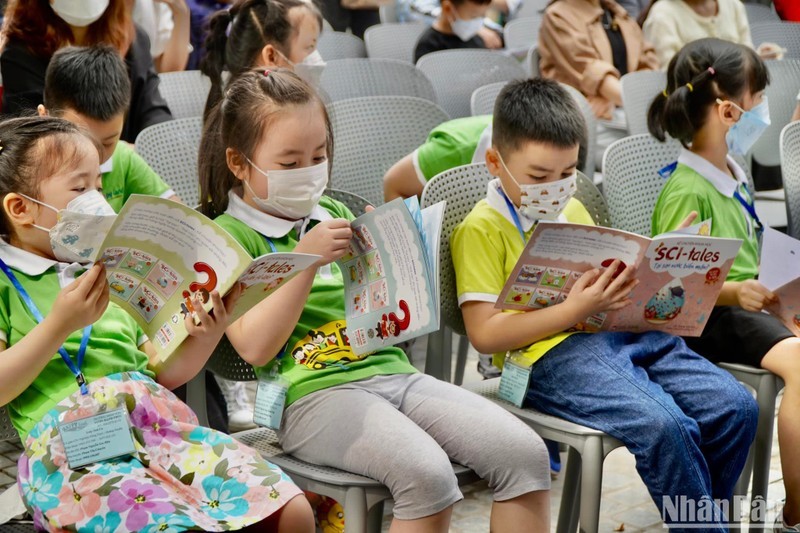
x,y
265,441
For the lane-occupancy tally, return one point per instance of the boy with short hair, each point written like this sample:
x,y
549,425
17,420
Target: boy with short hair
x,y
459,25
90,87
688,423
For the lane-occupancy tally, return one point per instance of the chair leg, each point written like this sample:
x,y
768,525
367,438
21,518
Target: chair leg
x,y
355,510
447,355
591,485
461,360
762,448
568,510
374,518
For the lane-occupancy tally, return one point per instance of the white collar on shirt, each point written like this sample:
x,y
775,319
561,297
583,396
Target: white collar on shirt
x,y
36,265
721,181
268,225
495,199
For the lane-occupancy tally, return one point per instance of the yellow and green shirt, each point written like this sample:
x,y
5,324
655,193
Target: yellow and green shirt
x,y
486,247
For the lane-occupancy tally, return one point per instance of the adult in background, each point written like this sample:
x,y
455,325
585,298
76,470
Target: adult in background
x,y
168,25
34,29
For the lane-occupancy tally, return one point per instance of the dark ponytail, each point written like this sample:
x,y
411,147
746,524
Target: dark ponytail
x,y
698,74
239,121
237,36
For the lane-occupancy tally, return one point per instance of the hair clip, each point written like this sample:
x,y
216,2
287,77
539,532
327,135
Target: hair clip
x,y
690,87
711,71
266,73
1,147
665,93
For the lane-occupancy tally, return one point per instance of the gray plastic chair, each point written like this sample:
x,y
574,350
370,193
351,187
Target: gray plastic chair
x,y
373,133
790,166
171,149
456,73
631,183
532,61
8,433
784,84
531,8
339,45
361,497
355,203
483,98
785,34
355,78
393,41
522,32
638,91
760,13
185,92
462,188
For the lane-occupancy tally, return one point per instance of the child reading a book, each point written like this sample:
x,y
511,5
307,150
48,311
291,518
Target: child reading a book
x,y
688,423
91,88
714,104
263,168
71,361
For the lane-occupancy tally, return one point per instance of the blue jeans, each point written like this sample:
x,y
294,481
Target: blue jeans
x,y
688,423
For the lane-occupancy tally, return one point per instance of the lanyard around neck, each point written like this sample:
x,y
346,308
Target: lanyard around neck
x,y
514,214
87,331
750,208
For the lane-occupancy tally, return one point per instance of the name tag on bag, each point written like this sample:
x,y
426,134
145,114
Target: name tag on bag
x,y
270,401
96,438
514,381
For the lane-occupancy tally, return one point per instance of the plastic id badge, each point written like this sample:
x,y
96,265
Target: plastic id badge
x,y
97,437
514,382
270,401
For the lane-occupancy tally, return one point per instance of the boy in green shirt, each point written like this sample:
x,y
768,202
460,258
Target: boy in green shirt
x,y
689,423
90,87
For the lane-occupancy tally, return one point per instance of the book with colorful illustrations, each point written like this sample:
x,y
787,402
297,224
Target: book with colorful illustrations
x,y
161,256
779,272
391,275
680,274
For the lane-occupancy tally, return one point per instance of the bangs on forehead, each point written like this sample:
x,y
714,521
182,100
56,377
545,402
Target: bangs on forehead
x,y
61,152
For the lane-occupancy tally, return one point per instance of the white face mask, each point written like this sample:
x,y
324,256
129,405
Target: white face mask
x,y
749,128
81,227
292,193
466,29
314,59
79,13
544,201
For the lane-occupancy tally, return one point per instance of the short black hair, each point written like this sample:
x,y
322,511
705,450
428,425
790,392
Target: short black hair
x,y
536,110
92,81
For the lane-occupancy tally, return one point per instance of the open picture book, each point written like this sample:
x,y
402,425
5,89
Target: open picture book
x,y
391,275
160,255
779,271
680,274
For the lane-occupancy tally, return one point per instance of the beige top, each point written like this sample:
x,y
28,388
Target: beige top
x,y
673,23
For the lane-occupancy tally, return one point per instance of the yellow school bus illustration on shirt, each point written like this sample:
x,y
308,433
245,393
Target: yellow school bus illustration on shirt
x,y
325,347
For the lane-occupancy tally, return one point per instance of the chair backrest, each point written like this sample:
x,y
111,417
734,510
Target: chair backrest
x,y
483,98
185,92
456,73
638,91
592,199
373,133
533,61
462,188
355,203
790,167
339,45
631,182
171,150
784,84
394,41
785,34
355,78
522,32
760,13
531,8
226,363
7,431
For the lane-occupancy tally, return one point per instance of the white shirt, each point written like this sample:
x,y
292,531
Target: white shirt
x,y
155,18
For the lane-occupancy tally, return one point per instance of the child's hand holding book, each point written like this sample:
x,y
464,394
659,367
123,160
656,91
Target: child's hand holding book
x,y
598,292
329,239
82,302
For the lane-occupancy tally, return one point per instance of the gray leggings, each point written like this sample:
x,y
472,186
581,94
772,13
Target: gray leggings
x,y
400,429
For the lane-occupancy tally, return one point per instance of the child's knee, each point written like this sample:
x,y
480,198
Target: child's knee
x,y
517,462
424,486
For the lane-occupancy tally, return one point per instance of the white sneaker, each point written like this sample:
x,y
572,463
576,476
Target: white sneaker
x,y
782,527
240,406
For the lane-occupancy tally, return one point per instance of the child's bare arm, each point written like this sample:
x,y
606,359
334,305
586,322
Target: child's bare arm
x,y
79,304
491,331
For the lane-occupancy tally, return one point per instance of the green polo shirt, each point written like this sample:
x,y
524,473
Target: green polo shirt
x,y
131,175
113,345
452,144
318,354
696,185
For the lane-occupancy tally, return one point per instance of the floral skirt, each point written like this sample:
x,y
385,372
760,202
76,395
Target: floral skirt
x,y
182,476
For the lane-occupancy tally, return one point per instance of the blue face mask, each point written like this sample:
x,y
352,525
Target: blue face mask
x,y
751,125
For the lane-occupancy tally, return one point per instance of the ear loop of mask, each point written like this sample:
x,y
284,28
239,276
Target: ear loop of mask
x,y
40,203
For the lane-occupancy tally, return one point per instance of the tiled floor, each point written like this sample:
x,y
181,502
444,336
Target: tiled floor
x,y
625,504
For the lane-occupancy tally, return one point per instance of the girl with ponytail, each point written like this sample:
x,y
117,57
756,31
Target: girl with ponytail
x,y
714,104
